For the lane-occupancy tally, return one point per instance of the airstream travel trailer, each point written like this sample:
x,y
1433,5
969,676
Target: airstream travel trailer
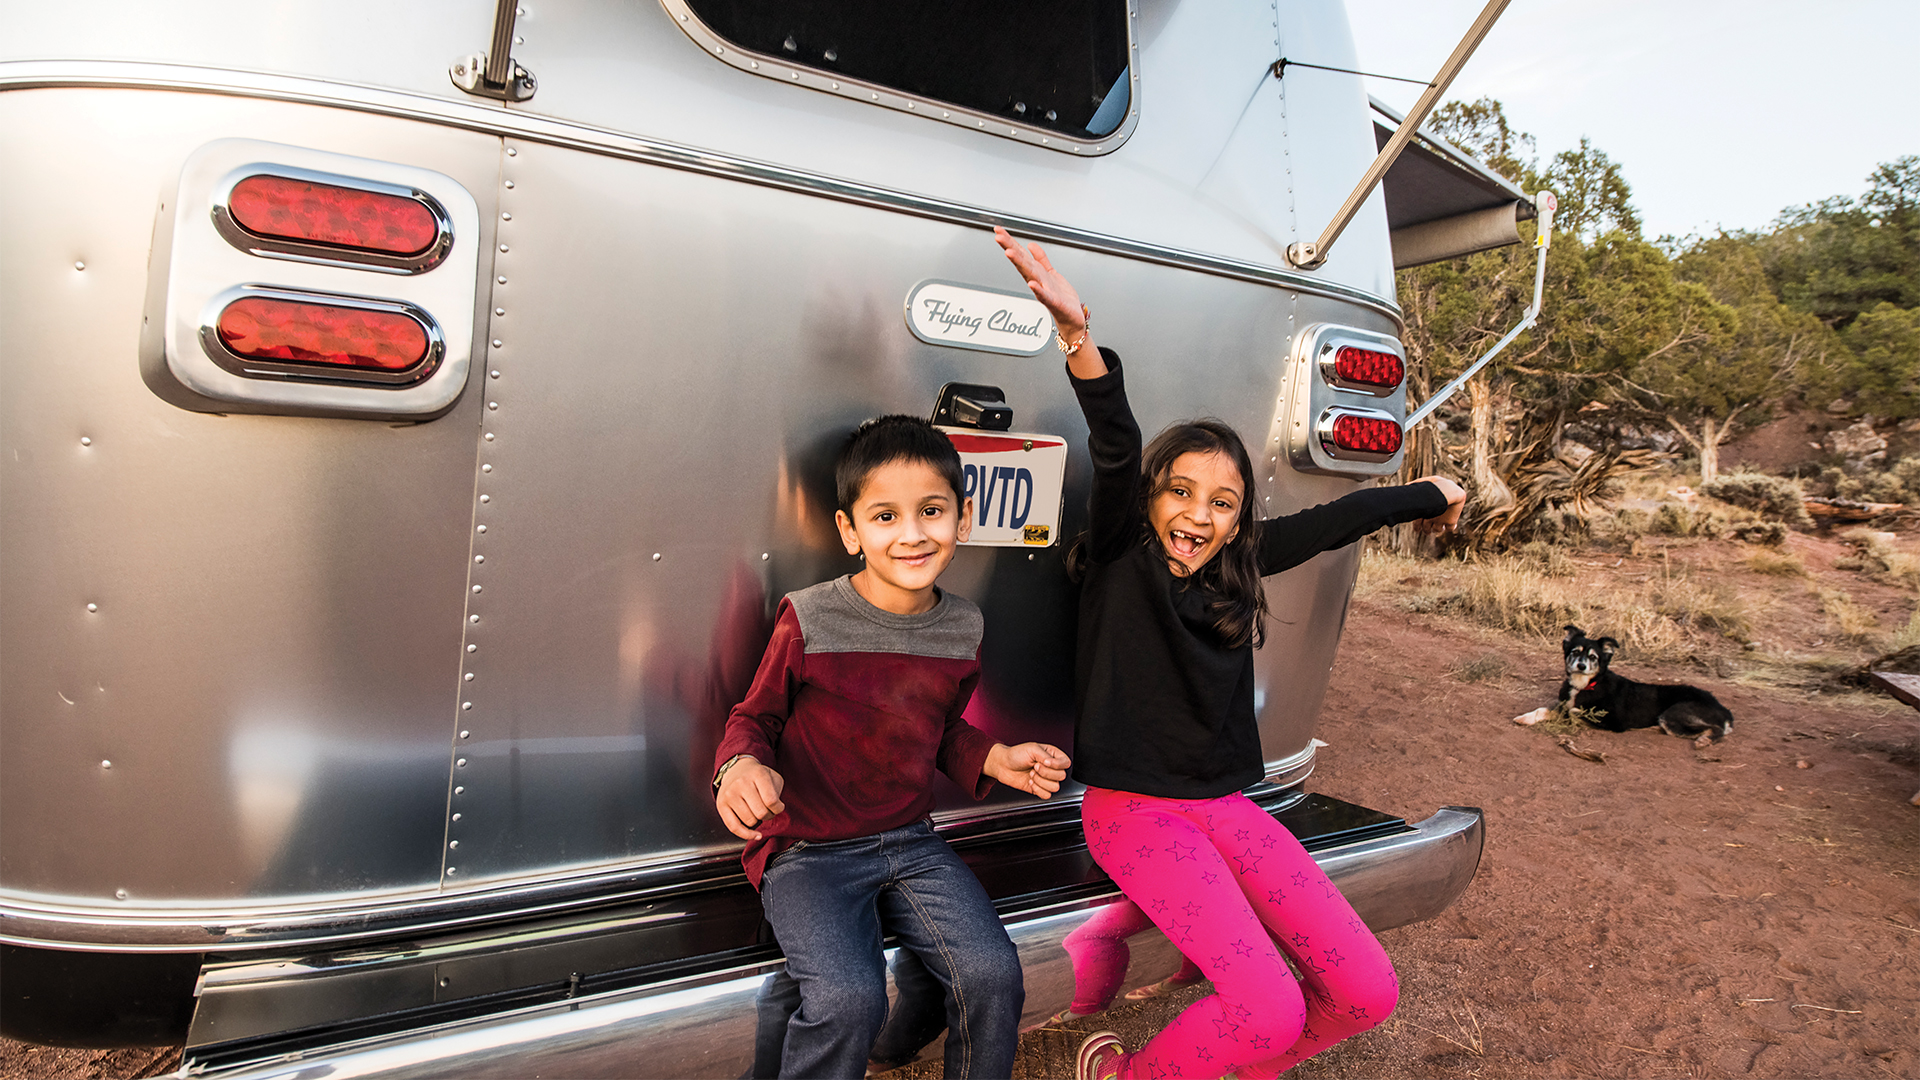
x,y
413,411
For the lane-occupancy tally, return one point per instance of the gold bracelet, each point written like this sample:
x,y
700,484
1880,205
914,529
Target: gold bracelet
x,y
720,776
1086,326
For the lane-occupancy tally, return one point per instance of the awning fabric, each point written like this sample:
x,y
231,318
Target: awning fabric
x,y
1441,202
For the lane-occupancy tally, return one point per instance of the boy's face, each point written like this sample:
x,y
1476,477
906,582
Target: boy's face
x,y
908,522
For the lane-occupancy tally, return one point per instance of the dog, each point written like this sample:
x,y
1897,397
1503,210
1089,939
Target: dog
x,y
1614,702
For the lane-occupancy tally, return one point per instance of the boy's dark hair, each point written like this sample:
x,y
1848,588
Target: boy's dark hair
x,y
887,439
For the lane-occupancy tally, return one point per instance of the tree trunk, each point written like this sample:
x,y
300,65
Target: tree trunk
x,y
1710,439
1488,489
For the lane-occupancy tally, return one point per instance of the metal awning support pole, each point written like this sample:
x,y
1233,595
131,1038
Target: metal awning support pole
x,y
1545,204
494,73
1310,255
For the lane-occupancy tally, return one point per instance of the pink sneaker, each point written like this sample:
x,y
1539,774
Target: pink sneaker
x,y
1100,1057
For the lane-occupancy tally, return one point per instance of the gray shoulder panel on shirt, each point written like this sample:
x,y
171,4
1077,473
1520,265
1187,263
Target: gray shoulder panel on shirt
x,y
835,618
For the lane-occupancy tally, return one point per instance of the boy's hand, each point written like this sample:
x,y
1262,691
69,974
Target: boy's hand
x,y
749,795
1456,498
1031,767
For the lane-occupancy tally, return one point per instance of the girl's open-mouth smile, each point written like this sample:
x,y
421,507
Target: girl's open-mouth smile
x,y
1186,545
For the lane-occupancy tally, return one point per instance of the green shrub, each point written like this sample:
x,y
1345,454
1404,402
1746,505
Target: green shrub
x,y
1678,519
1771,496
1765,533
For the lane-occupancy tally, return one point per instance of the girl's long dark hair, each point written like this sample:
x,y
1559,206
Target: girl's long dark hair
x,y
1231,579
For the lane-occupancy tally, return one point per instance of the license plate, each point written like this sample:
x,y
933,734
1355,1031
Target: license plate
x,y
1014,481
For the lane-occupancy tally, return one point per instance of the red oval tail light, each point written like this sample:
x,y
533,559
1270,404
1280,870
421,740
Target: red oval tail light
x,y
310,212
1369,367
342,339
1360,434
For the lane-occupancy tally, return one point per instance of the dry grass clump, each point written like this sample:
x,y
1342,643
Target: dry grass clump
x,y
1856,623
1515,594
1776,563
1480,669
1879,557
1708,605
1907,637
1685,519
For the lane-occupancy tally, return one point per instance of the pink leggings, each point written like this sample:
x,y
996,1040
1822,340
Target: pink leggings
x,y
1098,948
1232,889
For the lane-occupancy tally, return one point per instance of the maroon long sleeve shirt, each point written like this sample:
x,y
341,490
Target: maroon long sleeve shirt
x,y
855,707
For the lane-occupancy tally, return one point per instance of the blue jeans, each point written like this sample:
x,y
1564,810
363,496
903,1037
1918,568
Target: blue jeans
x,y
918,1016
832,903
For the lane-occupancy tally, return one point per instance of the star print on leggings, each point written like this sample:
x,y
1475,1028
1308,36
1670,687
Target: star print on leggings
x,y
1182,851
1240,946
1275,896
1249,862
1221,963
1227,1029
1143,851
1300,880
1333,957
1357,1012
1308,1034
1268,842
1261,1042
1185,930
1300,941
1192,908
1356,925
1209,877
1159,907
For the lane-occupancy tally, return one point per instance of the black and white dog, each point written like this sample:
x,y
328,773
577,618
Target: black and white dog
x,y
1616,703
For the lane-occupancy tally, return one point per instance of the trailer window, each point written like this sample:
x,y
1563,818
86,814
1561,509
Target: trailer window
x,y
1060,66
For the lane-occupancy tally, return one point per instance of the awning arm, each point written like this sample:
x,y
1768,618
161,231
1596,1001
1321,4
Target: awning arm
x,y
1545,204
1306,255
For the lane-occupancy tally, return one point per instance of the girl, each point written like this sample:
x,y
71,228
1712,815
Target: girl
x,y
1171,609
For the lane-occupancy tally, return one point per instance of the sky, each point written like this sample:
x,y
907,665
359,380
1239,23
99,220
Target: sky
x,y
1720,113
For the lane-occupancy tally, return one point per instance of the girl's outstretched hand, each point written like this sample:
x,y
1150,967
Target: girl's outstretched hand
x,y
1456,499
1052,289
1048,285
1031,767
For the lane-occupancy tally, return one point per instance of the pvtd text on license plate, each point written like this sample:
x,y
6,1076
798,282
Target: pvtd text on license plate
x,y
1014,481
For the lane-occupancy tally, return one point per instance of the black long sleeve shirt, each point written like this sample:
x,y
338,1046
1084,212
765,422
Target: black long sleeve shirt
x,y
1165,706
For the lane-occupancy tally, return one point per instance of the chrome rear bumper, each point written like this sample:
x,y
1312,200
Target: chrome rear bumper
x,y
703,1027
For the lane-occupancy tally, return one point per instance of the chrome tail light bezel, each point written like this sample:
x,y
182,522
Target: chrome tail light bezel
x,y
253,367
280,247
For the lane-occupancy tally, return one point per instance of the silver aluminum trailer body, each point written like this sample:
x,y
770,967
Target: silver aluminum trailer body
x,y
285,674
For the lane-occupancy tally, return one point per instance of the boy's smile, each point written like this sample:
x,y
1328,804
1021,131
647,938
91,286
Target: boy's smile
x,y
1198,511
908,522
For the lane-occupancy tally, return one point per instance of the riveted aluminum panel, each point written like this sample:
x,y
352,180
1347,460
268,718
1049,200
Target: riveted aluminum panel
x,y
1204,170
680,356
254,619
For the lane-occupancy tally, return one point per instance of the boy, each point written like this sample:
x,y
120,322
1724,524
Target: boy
x,y
826,771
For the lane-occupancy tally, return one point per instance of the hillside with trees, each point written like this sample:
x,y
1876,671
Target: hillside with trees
x,y
1665,351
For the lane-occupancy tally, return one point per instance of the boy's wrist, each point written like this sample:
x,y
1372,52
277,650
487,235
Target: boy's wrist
x,y
720,774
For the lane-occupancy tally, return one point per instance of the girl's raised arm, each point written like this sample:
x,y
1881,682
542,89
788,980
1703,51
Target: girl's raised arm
x,y
1051,288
